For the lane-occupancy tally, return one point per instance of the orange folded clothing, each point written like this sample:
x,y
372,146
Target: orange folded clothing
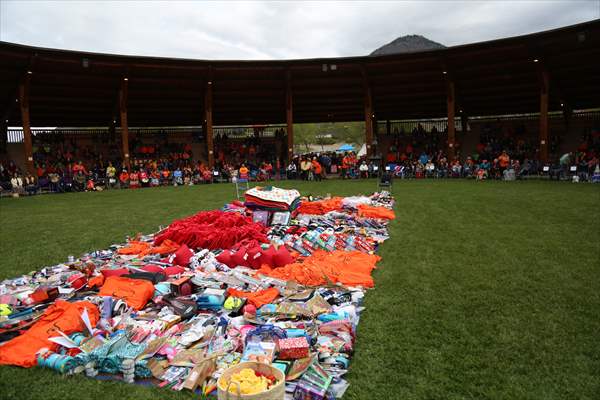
x,y
144,248
60,316
352,268
368,211
320,207
135,292
258,299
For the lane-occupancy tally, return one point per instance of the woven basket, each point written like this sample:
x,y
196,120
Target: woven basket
x,y
276,392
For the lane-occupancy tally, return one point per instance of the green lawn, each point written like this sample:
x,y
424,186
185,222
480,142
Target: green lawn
x,y
486,290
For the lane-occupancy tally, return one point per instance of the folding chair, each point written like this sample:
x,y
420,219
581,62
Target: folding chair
x,y
242,183
385,182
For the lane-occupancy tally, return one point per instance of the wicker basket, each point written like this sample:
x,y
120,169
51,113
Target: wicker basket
x,y
276,392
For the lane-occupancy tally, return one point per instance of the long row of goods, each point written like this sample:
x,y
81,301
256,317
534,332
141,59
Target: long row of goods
x,y
260,299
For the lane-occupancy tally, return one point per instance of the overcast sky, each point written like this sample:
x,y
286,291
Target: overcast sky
x,y
273,30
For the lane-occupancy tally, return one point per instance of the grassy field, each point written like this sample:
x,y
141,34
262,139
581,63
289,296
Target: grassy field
x,y
485,291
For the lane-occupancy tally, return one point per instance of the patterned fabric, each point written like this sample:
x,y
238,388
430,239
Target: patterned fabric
x,y
274,194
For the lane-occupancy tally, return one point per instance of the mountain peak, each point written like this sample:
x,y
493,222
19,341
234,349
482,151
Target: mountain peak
x,y
408,44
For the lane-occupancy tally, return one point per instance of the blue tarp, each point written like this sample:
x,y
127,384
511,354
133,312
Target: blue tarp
x,y
346,147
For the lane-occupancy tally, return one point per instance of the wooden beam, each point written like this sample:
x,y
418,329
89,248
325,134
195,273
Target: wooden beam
x,y
26,122
368,104
451,113
3,136
544,92
208,118
123,92
289,115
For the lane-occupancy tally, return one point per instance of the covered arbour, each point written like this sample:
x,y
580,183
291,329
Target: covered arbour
x,y
537,73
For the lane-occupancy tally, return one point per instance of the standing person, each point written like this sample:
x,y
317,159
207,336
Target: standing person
x,y
345,165
364,169
504,161
54,178
111,173
278,169
317,170
244,171
124,179
305,167
565,162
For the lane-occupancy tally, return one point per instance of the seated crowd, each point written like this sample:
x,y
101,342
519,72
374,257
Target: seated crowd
x,y
57,171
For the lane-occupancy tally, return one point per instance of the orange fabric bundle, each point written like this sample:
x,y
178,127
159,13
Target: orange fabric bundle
x,y
368,211
320,207
62,316
351,268
96,281
258,299
144,248
135,292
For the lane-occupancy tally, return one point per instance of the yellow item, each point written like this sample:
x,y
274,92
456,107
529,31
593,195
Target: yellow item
x,y
248,382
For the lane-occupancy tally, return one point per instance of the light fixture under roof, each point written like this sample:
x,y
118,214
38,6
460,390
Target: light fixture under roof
x,y
535,60
125,79
444,72
29,72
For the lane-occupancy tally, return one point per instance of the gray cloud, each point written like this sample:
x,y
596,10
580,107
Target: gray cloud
x,y
273,30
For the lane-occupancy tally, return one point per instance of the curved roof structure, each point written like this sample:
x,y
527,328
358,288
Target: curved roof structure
x,y
74,88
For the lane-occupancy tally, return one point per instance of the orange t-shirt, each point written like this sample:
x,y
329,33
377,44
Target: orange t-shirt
x,y
317,167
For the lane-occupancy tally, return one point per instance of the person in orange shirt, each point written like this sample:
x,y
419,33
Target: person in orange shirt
x,y
504,161
124,179
244,172
317,169
345,165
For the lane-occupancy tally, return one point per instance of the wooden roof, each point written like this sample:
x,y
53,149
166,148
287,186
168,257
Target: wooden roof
x,y
494,77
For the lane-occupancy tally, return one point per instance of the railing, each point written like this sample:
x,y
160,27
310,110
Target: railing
x,y
440,124
15,135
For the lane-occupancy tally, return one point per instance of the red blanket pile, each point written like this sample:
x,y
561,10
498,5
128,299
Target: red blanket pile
x,y
213,230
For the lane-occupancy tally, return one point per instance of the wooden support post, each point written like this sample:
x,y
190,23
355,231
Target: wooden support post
x,y
368,113
544,91
451,113
123,94
289,115
388,127
26,122
3,136
208,118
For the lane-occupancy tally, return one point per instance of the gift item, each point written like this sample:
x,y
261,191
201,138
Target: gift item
x,y
261,217
293,348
